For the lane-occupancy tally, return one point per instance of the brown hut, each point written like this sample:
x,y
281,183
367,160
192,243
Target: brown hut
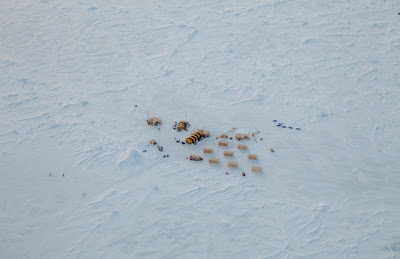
x,y
153,142
233,164
252,157
223,143
242,147
153,121
195,157
223,135
256,169
205,133
208,150
228,153
213,161
240,136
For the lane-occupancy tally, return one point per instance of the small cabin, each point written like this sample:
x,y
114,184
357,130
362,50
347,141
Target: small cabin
x,y
153,121
228,153
195,158
153,142
222,143
256,169
233,164
252,157
242,147
205,133
213,161
208,150
240,136
223,135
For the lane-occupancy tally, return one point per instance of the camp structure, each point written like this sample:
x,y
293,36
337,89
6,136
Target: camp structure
x,y
204,133
233,164
213,161
252,157
153,142
208,150
242,147
255,133
195,157
228,153
241,136
223,143
256,169
197,136
153,121
183,125
223,135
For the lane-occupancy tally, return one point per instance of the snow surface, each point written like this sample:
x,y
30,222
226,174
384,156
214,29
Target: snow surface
x,y
72,72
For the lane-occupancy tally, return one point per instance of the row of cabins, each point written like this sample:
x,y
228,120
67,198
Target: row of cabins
x,y
256,169
234,165
221,143
229,153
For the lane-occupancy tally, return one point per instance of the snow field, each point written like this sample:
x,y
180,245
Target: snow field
x,y
71,75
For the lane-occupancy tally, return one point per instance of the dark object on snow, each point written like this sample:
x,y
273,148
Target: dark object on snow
x,y
135,105
183,143
274,120
290,127
144,151
272,150
63,175
195,158
243,173
154,121
283,126
278,125
226,172
49,174
298,128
